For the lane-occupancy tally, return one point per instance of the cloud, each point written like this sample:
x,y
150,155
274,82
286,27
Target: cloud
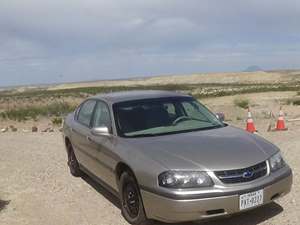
x,y
60,40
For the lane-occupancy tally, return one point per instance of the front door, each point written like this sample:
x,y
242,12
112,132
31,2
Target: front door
x,y
102,147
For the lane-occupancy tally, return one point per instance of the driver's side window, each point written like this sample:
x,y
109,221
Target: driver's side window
x,y
102,116
192,110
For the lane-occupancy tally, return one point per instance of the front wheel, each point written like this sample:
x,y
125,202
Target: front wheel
x,y
132,205
72,162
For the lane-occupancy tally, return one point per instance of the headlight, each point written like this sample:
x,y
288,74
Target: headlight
x,y
276,162
184,179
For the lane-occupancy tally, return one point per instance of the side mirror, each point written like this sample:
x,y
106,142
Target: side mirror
x,y
101,131
220,116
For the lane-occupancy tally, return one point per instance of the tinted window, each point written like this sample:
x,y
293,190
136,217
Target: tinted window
x,y
150,117
86,112
170,108
101,116
194,110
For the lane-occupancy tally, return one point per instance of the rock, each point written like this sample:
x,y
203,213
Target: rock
x,y
4,130
14,129
48,129
45,130
34,129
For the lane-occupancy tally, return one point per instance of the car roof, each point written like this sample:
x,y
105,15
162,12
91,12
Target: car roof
x,y
123,96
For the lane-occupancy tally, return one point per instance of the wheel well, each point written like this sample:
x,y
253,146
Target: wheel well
x,y
67,142
122,167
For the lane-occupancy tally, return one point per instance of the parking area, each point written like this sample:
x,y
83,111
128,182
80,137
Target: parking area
x,y
36,187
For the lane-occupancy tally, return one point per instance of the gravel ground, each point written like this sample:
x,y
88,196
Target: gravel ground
x,y
34,178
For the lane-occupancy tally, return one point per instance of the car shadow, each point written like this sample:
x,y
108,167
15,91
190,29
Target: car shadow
x,y
252,217
102,190
3,204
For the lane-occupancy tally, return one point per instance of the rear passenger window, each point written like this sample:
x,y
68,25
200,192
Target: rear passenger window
x,y
86,112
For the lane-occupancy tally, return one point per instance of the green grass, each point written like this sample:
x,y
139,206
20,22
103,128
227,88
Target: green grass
x,y
242,103
33,112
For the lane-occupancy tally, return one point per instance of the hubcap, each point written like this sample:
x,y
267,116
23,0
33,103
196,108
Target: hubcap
x,y
131,200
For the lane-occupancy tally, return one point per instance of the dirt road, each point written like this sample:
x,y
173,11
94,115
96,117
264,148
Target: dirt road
x,y
34,177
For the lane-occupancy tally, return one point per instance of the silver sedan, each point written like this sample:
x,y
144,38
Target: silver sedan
x,y
170,159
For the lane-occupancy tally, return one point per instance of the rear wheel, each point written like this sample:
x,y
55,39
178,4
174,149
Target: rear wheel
x,y
72,162
132,205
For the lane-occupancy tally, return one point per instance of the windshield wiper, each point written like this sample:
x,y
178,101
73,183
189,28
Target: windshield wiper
x,y
174,132
142,135
211,127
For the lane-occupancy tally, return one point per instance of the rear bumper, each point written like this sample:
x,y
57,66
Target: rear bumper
x,y
172,210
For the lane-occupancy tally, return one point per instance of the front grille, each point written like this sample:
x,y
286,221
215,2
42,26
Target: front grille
x,y
240,175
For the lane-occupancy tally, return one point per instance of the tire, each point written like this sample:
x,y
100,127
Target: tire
x,y
72,162
131,202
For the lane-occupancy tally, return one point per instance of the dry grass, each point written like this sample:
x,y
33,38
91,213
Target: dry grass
x,y
33,112
241,102
34,102
293,101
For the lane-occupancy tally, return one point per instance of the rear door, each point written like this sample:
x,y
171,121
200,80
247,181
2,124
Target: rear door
x,y
81,131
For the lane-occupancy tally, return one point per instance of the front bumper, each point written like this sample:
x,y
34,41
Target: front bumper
x,y
172,210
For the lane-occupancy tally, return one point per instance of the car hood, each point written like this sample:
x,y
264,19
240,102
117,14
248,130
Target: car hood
x,y
217,149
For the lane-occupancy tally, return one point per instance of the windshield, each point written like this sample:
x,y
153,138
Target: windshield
x,y
161,116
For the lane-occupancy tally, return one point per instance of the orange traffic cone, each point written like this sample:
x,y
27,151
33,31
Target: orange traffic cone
x,y
280,122
250,124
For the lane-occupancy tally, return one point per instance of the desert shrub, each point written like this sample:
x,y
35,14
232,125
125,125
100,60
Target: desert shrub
x,y
296,102
242,103
3,204
32,112
57,121
3,115
207,90
288,102
292,101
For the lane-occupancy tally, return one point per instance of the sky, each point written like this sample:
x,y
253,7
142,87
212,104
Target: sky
x,y
53,41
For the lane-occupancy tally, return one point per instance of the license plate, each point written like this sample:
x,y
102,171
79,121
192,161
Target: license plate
x,y
251,199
